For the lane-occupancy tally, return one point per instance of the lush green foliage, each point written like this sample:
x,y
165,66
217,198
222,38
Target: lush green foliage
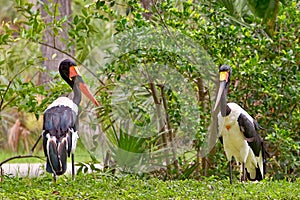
x,y
101,186
265,69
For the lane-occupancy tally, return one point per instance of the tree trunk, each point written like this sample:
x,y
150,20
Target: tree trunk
x,y
201,98
161,124
52,42
147,5
169,130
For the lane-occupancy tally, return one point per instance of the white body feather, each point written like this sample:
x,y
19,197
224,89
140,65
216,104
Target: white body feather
x,y
234,141
64,101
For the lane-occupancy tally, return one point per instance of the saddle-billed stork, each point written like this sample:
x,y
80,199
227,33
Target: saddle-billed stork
x,y
239,133
60,127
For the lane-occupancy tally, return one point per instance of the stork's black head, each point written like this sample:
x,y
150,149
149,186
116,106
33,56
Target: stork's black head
x,y
70,73
67,71
225,73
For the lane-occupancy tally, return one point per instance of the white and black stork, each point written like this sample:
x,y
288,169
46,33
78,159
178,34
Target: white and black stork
x,y
60,127
239,134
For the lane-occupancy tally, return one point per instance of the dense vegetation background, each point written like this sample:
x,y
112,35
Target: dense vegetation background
x,y
260,40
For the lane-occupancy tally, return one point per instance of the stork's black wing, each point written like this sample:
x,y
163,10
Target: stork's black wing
x,y
254,140
57,137
58,119
249,129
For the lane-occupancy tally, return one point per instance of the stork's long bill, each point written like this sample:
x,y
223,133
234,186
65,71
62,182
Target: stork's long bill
x,y
74,72
222,93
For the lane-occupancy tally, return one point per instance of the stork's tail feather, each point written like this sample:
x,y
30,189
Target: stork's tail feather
x,y
56,156
258,176
265,154
260,170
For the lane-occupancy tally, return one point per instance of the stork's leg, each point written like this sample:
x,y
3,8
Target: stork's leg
x,y
54,178
230,171
243,177
73,167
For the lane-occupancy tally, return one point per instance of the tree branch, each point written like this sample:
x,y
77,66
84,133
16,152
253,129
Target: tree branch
x,y
69,55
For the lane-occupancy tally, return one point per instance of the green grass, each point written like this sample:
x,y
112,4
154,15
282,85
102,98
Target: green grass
x,y
103,186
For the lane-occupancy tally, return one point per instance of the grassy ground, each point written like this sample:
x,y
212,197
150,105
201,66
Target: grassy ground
x,y
103,186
